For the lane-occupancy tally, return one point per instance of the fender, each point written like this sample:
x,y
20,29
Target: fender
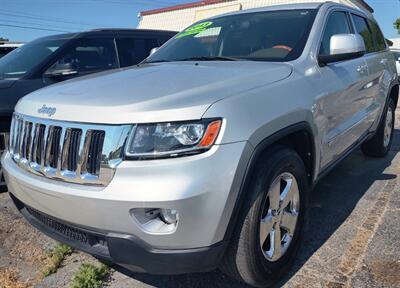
x,y
249,162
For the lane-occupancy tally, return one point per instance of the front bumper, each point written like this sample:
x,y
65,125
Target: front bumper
x,y
198,187
125,250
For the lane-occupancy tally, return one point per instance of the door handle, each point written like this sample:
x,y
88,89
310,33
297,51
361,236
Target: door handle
x,y
384,61
362,68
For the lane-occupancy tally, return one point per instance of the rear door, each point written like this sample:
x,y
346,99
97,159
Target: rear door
x,y
134,49
377,60
343,106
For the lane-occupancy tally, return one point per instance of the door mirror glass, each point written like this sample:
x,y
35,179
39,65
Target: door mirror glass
x,y
344,47
154,50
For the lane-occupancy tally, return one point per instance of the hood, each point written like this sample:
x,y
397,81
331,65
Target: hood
x,y
151,92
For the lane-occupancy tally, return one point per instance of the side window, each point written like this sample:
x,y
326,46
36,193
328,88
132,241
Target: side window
x,y
337,24
380,42
132,51
362,28
88,56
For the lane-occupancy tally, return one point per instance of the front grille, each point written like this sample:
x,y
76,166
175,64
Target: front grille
x,y
67,231
67,151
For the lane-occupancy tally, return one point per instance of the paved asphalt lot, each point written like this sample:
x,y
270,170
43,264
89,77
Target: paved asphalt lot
x,y
353,238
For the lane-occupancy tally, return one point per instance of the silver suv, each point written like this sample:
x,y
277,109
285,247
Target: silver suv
x,y
204,155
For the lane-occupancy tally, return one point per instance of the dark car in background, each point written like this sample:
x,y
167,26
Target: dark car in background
x,y
52,59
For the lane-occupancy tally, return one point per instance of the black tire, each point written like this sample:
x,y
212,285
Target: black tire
x,y
245,260
376,146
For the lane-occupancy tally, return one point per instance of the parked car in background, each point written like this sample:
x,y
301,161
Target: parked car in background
x,y
204,155
6,48
52,59
396,53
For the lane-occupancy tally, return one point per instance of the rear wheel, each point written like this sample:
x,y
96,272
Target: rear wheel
x,y
379,145
272,221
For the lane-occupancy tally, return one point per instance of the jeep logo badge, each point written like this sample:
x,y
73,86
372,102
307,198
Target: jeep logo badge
x,y
49,111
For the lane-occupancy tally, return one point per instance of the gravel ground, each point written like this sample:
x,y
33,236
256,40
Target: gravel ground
x,y
353,237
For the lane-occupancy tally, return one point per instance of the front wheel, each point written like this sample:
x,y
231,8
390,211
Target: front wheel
x,y
272,221
379,145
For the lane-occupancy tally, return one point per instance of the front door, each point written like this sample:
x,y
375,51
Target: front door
x,y
343,103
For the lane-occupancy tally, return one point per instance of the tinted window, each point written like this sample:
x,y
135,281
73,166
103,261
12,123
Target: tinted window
x,y
19,62
5,50
264,36
89,55
132,51
380,42
337,24
362,28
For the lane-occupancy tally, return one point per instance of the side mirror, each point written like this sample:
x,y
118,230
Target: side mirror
x,y
343,47
154,50
60,71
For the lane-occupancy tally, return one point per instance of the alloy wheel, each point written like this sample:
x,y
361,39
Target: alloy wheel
x,y
387,134
280,215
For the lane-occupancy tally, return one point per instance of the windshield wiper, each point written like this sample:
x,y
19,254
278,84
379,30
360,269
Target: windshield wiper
x,y
155,61
210,58
199,58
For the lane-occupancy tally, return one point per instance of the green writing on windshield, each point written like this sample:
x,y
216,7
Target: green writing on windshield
x,y
194,30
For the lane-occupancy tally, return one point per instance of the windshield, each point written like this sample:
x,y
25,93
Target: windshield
x,y
263,36
19,62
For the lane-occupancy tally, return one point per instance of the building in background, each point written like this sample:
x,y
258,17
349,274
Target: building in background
x,y
178,17
5,48
396,43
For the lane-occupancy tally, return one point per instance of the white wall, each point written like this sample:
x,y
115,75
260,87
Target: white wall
x,y
180,19
396,43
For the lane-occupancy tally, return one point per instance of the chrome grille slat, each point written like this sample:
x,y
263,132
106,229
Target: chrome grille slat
x,y
43,149
21,132
35,140
49,141
67,151
60,142
81,152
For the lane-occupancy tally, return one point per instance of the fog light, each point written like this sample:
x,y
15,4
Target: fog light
x,y
170,216
156,220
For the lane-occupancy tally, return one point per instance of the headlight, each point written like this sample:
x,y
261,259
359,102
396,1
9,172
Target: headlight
x,y
162,140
